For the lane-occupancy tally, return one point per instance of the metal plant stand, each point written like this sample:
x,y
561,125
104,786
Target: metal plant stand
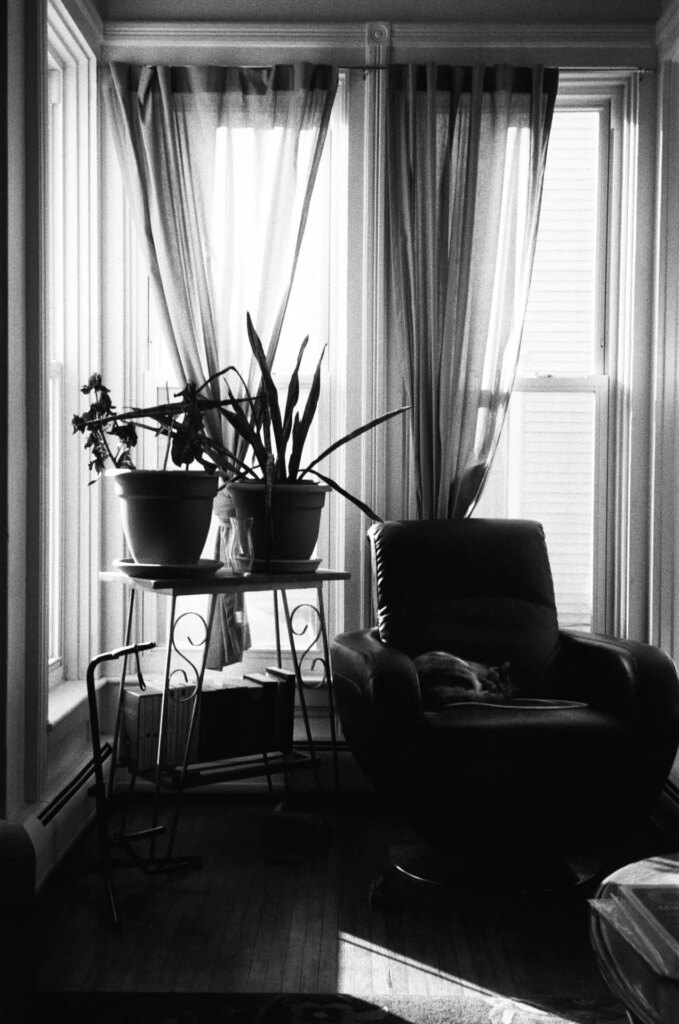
x,y
178,776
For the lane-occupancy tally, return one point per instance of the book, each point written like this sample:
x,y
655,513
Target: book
x,y
137,748
313,680
140,725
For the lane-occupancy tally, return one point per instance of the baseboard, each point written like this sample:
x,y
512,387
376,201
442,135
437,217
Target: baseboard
x,y
30,849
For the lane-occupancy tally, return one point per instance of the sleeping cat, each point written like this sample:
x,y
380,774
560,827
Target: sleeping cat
x,y
446,679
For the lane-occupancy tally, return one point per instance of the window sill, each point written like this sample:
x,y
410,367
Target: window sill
x,y
64,699
68,722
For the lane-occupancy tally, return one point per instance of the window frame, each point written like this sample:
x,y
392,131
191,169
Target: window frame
x,y
615,95
73,320
140,369
618,89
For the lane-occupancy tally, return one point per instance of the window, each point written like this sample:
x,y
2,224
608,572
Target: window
x,y
554,464
316,308
55,341
72,326
553,461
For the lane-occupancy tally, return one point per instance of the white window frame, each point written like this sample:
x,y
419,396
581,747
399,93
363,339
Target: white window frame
x,y
55,364
73,274
621,399
618,89
614,94
576,96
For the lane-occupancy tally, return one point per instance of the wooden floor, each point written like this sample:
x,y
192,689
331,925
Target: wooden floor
x,y
280,904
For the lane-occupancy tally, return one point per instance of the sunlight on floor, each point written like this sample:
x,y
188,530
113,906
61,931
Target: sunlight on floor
x,y
366,967
369,971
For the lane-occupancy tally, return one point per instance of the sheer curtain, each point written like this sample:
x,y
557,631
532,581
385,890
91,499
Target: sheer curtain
x,y
218,165
466,156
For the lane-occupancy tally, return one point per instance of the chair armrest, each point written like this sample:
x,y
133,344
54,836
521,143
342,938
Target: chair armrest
x,y
633,680
382,679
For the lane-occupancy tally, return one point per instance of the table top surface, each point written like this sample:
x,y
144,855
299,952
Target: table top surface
x,y
651,998
224,582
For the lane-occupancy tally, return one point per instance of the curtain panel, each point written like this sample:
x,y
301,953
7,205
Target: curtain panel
x,y
179,133
218,165
466,154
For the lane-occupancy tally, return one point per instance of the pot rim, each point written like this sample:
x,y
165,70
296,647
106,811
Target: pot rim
x,y
157,472
296,485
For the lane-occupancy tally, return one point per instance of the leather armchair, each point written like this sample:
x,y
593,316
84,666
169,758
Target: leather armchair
x,y
472,778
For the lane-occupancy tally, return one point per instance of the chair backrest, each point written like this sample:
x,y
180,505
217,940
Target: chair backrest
x,y
479,588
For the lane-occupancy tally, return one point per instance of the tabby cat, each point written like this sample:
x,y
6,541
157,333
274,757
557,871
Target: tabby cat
x,y
446,679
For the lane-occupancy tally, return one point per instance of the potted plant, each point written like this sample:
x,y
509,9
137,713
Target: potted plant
x,y
165,514
283,496
263,473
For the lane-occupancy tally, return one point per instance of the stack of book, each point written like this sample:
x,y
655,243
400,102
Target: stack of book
x,y
237,717
245,716
647,916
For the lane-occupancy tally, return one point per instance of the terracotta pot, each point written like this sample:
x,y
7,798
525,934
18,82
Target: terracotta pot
x,y
166,514
295,518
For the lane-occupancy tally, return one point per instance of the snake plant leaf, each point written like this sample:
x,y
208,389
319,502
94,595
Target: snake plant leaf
x,y
271,412
355,433
293,394
302,425
228,461
293,387
240,424
349,497
243,426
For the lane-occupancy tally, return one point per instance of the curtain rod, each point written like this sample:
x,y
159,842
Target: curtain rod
x,y
564,67
365,68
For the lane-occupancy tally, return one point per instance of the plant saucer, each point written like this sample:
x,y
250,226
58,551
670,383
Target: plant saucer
x,y
287,565
153,571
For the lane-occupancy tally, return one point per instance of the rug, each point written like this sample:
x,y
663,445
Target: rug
x,y
228,1008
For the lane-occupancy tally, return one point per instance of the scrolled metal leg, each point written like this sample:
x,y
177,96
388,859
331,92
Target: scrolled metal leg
x,y
199,674
327,674
322,660
296,664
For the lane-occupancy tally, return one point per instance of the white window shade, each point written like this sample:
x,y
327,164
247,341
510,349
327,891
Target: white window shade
x,y
550,465
560,331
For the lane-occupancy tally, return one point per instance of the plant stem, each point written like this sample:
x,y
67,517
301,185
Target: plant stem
x,y
169,433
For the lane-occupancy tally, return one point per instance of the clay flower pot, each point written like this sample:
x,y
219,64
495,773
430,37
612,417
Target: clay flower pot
x,y
292,532
166,514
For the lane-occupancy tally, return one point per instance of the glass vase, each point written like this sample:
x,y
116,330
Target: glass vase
x,y
240,552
